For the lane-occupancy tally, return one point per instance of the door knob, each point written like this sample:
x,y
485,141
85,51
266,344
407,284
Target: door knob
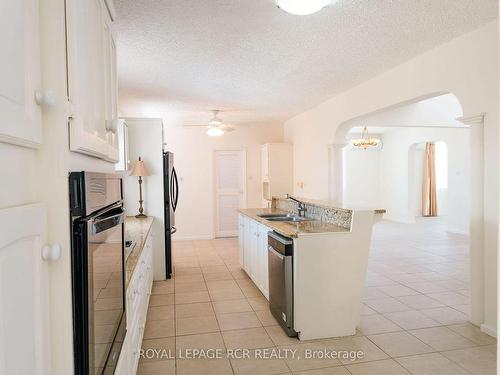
x,y
44,98
51,252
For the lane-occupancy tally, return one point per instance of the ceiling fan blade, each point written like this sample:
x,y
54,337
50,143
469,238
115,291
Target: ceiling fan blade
x,y
194,125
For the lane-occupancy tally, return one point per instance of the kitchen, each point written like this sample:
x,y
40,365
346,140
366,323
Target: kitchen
x,y
199,120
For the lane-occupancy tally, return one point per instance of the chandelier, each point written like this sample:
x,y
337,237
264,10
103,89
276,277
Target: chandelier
x,y
365,141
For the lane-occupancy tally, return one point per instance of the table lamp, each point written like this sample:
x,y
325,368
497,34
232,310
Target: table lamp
x,y
140,171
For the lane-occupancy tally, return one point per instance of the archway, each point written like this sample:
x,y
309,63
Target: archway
x,y
475,124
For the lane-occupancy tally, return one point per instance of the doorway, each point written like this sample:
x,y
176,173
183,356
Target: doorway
x,y
230,190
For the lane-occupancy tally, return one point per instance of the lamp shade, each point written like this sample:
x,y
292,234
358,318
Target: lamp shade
x,y
139,169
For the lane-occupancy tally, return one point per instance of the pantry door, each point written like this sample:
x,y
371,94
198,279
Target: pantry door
x,y
24,295
230,190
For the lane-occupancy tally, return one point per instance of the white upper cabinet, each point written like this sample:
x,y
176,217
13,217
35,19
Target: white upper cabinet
x,y
92,84
21,121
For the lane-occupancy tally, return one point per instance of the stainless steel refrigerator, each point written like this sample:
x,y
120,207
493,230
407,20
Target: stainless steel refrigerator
x,y
170,196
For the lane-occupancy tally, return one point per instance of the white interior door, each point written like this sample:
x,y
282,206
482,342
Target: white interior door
x,y
230,191
24,336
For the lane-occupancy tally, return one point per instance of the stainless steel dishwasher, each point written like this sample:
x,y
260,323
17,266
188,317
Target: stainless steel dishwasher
x,y
280,255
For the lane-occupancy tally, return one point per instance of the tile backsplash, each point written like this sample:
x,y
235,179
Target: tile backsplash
x,y
338,216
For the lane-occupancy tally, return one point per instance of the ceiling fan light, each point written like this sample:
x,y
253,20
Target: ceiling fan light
x,y
302,7
214,131
215,122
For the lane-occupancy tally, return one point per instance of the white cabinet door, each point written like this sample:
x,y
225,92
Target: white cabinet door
x,y
20,116
264,281
124,367
24,336
254,269
257,258
91,78
110,89
241,240
247,248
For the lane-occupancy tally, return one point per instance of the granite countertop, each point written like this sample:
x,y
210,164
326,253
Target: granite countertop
x,y
136,230
292,229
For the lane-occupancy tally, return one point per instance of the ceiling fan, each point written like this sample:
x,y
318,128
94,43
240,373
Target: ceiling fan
x,y
215,126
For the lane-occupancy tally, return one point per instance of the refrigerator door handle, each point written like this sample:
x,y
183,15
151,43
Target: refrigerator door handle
x,y
175,189
172,191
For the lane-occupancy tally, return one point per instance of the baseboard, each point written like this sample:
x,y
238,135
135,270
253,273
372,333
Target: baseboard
x,y
488,330
193,238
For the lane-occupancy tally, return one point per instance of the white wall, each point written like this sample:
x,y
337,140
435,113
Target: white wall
x,y
467,67
362,181
193,151
416,157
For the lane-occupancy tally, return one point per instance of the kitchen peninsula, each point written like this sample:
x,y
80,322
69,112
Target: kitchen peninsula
x,y
330,258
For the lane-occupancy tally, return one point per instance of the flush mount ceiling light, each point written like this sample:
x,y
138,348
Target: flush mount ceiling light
x,y
214,131
302,7
365,141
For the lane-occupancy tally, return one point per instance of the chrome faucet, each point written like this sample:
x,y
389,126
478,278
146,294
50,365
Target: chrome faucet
x,y
302,206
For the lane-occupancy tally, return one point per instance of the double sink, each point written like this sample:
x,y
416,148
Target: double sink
x,y
284,217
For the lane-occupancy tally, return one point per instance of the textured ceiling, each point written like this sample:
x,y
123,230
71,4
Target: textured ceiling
x,y
180,58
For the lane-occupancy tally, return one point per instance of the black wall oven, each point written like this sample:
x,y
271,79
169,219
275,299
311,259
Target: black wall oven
x,y
98,282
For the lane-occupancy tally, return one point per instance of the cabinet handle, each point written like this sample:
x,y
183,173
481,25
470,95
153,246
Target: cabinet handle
x,y
51,252
44,98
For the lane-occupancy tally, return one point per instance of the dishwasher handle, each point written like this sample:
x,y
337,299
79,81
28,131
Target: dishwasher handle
x,y
275,253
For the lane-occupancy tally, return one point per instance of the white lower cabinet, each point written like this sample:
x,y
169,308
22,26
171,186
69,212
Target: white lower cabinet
x,y
137,301
247,245
263,230
253,252
241,239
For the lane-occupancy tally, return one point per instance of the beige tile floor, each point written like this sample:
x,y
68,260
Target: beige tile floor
x,y
414,312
